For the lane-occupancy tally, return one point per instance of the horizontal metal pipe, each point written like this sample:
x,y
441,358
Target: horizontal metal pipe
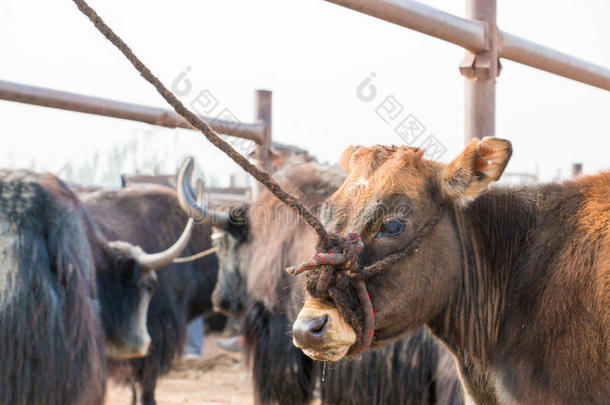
x,y
472,35
529,53
110,108
428,20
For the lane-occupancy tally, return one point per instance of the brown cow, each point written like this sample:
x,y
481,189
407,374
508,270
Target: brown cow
x,y
260,241
516,282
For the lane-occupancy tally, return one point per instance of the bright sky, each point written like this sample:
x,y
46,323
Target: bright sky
x,y
313,55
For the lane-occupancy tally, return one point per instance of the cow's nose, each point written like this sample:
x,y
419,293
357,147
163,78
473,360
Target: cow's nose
x,y
310,331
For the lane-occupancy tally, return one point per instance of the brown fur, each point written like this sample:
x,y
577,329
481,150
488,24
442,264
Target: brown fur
x,y
413,370
310,183
516,283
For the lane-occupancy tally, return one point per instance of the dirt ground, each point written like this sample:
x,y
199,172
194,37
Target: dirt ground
x,y
220,377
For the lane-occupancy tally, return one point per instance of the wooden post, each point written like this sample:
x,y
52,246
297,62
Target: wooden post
x,y
480,71
262,155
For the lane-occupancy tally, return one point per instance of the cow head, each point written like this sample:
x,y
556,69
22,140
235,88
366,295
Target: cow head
x,y
125,290
230,233
389,195
229,295
126,281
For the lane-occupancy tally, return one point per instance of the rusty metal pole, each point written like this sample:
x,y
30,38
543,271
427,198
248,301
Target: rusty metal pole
x,y
262,154
23,93
576,170
480,71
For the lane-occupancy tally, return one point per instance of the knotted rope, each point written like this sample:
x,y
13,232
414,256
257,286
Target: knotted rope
x,y
196,256
339,266
341,277
335,268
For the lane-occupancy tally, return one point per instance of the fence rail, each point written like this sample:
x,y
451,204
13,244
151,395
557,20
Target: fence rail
x,y
478,34
473,36
425,19
484,44
521,50
117,109
259,132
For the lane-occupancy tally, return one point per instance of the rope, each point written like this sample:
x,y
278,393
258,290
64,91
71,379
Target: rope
x,y
201,125
196,256
339,274
335,270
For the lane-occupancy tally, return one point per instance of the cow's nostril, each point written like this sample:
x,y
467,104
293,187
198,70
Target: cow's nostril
x,y
317,325
309,332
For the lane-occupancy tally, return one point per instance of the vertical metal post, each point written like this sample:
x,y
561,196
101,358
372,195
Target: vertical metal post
x,y
576,170
480,71
262,155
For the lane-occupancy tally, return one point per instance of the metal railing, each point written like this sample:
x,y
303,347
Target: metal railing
x,y
478,34
117,109
484,44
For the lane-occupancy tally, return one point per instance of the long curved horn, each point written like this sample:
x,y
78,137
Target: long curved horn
x,y
154,261
188,200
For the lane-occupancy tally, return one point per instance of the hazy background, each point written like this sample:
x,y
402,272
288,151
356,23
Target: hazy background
x,y
312,55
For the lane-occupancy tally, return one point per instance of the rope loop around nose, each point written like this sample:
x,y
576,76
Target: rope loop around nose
x,y
342,255
337,271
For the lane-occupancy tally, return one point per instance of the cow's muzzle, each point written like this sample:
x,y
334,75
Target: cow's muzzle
x,y
321,332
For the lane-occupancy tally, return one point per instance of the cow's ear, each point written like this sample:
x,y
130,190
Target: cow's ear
x,y
347,160
481,163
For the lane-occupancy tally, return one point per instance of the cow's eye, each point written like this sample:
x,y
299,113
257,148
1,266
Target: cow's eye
x,y
391,228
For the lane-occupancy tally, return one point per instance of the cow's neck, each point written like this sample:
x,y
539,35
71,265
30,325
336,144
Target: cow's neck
x,y
494,232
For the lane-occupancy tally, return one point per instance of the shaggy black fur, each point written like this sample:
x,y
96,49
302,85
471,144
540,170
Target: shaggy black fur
x,y
414,370
282,374
150,217
52,343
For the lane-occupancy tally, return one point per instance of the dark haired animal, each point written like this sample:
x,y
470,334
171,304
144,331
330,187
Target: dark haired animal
x,y
151,216
516,282
68,297
256,245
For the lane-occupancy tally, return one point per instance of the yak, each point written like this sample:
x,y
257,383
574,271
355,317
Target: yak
x,y
255,243
514,281
68,296
151,216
